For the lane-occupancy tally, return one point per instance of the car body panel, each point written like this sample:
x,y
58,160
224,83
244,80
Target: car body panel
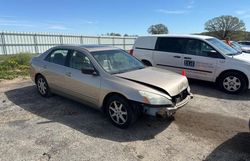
x,y
175,83
93,89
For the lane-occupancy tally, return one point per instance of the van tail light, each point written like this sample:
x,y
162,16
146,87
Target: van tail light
x,y
184,72
131,52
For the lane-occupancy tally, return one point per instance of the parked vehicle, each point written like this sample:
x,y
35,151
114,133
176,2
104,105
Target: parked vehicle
x,y
111,80
244,42
239,47
203,57
236,46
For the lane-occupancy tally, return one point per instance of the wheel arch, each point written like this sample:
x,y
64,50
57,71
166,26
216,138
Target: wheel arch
x,y
36,76
106,98
233,70
146,62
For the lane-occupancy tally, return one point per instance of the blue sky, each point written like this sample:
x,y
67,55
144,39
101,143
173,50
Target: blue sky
x,y
96,17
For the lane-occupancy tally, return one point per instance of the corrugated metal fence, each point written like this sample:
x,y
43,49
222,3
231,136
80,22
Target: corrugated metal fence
x,y
16,42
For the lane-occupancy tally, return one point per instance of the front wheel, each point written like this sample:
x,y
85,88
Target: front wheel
x,y
120,112
232,82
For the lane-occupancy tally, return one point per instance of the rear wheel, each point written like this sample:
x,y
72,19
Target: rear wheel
x,y
119,111
42,86
147,63
233,82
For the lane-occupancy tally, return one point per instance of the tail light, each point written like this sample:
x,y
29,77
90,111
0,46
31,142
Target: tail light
x,y
131,52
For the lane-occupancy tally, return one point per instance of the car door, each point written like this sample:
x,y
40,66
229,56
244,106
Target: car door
x,y
54,68
200,60
169,53
85,87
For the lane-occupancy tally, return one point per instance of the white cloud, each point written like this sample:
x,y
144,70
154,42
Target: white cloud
x,y
90,22
241,12
57,27
171,11
190,4
9,21
244,14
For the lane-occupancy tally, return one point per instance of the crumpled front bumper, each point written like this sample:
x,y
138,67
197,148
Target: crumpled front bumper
x,y
166,111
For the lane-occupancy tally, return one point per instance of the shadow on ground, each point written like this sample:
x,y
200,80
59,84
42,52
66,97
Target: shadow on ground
x,y
235,149
84,119
210,89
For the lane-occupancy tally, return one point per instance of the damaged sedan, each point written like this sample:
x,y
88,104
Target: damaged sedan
x,y
111,80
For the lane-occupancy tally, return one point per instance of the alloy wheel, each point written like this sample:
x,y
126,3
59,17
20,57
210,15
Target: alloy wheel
x,y
42,87
118,112
231,83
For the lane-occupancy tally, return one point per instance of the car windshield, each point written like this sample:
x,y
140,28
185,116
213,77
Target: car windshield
x,y
117,61
224,48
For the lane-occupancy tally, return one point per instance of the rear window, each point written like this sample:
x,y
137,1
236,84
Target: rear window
x,y
175,45
145,42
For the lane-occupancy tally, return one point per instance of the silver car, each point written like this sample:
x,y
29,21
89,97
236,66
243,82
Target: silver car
x,y
111,80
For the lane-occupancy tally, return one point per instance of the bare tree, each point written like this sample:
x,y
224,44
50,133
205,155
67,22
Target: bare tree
x,y
158,29
224,26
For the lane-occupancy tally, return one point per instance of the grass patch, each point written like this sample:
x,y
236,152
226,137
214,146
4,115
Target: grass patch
x,y
12,66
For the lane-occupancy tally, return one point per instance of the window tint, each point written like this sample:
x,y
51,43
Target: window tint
x,y
197,47
57,57
175,45
79,61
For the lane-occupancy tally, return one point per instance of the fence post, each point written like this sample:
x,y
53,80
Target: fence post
x,y
35,43
3,44
124,41
99,40
81,39
61,40
113,41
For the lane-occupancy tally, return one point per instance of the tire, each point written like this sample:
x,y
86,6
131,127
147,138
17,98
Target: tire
x,y
146,63
120,112
42,86
232,82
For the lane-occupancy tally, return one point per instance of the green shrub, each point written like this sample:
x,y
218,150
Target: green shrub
x,y
12,66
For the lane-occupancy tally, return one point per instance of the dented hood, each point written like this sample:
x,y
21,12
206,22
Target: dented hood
x,y
170,82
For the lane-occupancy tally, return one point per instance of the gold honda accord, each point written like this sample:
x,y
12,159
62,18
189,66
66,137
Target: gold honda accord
x,y
111,80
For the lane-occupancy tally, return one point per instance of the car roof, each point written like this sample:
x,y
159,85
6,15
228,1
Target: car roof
x,y
181,36
90,48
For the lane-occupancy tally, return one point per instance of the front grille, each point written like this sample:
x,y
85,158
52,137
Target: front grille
x,y
180,97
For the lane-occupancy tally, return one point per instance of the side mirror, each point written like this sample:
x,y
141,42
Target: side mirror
x,y
213,54
89,70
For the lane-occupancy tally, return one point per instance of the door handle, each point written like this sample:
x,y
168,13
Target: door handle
x,y
187,58
68,74
177,57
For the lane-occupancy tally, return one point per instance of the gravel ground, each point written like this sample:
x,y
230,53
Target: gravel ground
x,y
213,126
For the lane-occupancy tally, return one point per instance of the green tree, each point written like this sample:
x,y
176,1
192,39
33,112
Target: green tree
x,y
113,34
224,26
158,29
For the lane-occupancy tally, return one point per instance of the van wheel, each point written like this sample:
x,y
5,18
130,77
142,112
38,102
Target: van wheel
x,y
232,82
42,86
120,112
147,63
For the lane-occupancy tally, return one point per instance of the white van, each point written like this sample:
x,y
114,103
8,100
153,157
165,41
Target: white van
x,y
202,57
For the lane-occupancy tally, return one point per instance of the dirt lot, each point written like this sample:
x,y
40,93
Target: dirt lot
x,y
213,126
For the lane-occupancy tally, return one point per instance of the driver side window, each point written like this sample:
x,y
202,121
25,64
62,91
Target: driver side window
x,y
79,61
199,48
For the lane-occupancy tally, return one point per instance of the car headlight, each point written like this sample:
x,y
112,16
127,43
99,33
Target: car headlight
x,y
155,99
